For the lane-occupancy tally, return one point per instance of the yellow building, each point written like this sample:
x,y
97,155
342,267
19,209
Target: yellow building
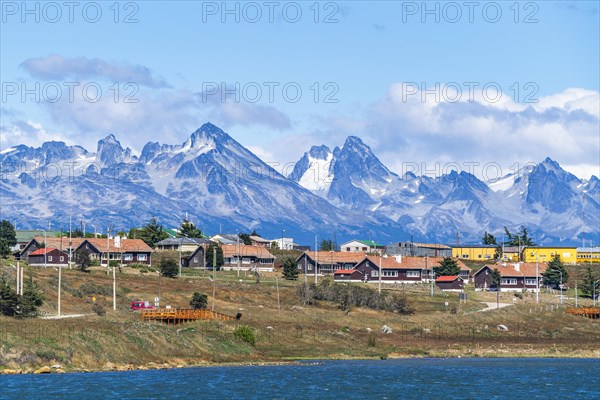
x,y
568,255
476,252
588,254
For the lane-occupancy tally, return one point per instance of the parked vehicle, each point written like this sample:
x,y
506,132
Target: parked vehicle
x,y
141,305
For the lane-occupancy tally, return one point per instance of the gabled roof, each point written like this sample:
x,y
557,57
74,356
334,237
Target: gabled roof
x,y
182,240
60,243
473,246
428,245
336,257
231,250
345,271
370,243
126,245
259,239
42,251
449,278
510,269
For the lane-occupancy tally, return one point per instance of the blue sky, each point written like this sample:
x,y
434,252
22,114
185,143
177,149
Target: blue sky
x,y
366,58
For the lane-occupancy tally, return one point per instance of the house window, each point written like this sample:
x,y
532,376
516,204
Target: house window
x,y
565,255
364,249
127,257
62,258
465,256
413,274
374,273
142,257
390,273
347,248
49,258
479,256
530,281
245,260
195,259
508,281
488,256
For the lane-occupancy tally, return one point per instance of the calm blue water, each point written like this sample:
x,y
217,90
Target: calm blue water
x,y
389,379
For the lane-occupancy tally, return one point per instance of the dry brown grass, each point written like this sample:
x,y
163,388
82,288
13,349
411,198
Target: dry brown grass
x,y
285,332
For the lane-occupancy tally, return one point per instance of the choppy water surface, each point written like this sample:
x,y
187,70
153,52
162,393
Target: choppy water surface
x,y
388,379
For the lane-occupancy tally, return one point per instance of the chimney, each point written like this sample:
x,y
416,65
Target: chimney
x,y
517,267
399,258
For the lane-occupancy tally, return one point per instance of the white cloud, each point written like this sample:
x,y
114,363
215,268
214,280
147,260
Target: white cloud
x,y
57,67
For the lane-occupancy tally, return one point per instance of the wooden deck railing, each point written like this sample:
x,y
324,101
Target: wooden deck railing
x,y
590,312
176,316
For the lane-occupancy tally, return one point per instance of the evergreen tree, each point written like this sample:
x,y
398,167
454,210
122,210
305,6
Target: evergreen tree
x,y
274,245
199,300
153,233
245,238
488,238
327,245
448,266
520,239
212,248
254,233
134,233
8,233
8,298
555,273
8,237
31,299
290,269
590,280
188,229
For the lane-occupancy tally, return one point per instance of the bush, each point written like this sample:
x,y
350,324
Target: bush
x,y
169,268
245,334
199,300
98,309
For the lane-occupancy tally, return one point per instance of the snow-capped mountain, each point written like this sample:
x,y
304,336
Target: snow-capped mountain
x,y
218,182
223,186
551,202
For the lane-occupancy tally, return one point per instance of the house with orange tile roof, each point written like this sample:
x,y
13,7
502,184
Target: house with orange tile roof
x,y
395,269
327,262
124,251
247,257
518,276
49,257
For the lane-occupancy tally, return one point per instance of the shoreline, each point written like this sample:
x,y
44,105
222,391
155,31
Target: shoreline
x,y
109,367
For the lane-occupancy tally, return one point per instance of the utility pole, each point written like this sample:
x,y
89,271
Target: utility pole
x,y
316,259
431,274
561,286
278,302
59,286
70,243
537,280
45,248
380,272
238,255
214,280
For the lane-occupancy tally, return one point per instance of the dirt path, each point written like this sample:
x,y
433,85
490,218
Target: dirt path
x,y
64,316
492,305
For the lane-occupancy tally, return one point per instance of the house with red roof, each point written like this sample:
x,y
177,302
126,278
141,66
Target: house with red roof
x,y
450,283
48,256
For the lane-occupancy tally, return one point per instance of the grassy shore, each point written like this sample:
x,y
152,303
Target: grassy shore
x,y
285,331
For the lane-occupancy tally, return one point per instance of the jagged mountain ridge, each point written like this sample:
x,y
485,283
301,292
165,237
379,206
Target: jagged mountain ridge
x,y
347,190
551,202
220,184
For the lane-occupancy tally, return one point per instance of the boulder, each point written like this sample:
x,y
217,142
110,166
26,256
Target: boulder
x,y
386,329
109,365
10,371
44,370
